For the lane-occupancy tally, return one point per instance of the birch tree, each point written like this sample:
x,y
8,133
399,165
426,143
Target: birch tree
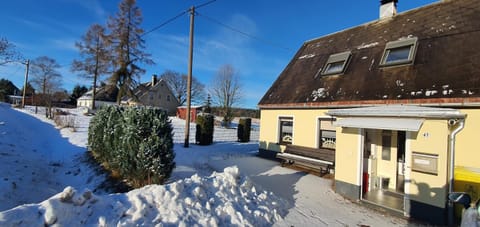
x,y
7,52
226,91
47,79
178,84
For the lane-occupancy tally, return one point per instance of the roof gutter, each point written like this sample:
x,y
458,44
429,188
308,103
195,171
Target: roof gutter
x,y
399,111
431,114
461,125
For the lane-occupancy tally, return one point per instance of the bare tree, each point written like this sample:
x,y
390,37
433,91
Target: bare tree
x,y
178,84
7,52
226,91
95,57
46,79
128,48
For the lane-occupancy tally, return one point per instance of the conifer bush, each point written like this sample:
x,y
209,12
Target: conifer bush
x,y
135,142
243,130
96,133
204,129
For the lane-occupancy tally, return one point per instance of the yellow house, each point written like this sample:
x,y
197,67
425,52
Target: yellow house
x,y
397,98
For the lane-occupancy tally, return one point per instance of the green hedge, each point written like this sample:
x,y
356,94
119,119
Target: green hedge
x,y
136,142
243,130
204,129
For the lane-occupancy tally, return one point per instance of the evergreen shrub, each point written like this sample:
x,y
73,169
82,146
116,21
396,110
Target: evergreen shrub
x,y
204,129
243,130
136,142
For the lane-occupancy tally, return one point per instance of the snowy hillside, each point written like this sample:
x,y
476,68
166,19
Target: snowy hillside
x,y
223,184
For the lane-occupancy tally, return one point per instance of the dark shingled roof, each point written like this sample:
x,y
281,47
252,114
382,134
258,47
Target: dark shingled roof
x,y
446,67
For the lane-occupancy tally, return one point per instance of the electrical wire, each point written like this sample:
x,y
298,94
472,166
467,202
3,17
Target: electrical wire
x,y
204,4
176,17
165,23
244,33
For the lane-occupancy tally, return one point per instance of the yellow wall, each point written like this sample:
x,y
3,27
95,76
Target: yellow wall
x,y
431,139
346,155
467,146
304,127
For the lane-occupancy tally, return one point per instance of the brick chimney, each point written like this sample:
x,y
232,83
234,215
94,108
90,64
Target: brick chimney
x,y
388,8
154,80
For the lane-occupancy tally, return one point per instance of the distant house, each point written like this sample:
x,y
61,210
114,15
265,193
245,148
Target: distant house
x,y
398,99
155,93
9,92
16,97
105,95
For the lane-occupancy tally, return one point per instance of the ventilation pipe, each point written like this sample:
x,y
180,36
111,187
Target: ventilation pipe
x,y
461,124
388,8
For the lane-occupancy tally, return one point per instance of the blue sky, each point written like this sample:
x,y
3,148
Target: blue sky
x,y
51,27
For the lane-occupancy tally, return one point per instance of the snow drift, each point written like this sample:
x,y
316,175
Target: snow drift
x,y
221,199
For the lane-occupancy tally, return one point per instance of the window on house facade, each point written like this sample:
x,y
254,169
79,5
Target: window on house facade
x,y
168,98
286,130
399,52
386,145
337,63
327,133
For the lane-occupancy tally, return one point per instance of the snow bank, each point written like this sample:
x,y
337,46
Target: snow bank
x,y
221,199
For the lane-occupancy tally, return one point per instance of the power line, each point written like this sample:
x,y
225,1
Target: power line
x,y
166,22
244,33
151,30
176,17
204,4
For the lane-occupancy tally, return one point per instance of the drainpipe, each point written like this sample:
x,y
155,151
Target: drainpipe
x,y
452,164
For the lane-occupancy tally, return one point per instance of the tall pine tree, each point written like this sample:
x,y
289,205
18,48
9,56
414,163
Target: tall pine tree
x,y
95,56
127,48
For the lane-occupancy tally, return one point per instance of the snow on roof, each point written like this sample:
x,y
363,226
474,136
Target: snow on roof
x,y
445,46
192,107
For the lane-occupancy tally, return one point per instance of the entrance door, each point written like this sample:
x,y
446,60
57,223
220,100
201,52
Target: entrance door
x,y
400,186
384,167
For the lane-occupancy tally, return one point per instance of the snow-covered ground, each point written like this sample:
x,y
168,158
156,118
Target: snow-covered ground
x,y
44,179
37,160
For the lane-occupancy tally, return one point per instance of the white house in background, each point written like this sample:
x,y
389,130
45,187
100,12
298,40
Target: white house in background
x,y
105,95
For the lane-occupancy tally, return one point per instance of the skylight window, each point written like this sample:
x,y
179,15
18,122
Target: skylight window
x,y
399,52
337,63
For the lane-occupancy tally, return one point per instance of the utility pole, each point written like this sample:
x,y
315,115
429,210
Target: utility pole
x,y
25,84
189,78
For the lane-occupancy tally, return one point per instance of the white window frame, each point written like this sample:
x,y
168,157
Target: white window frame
x,y
319,128
279,131
343,58
409,42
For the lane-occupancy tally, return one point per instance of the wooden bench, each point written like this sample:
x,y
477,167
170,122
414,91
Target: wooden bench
x,y
318,159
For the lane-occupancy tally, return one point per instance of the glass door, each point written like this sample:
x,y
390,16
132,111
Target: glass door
x,y
383,168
